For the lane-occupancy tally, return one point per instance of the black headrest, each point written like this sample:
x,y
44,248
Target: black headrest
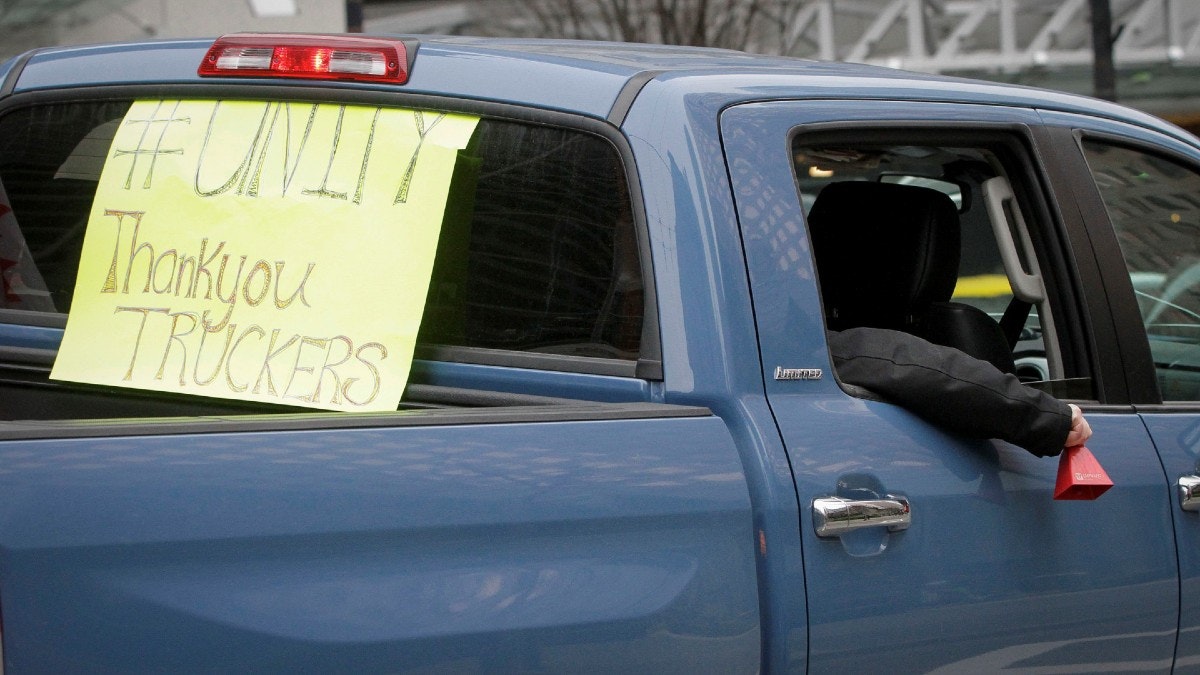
x,y
884,252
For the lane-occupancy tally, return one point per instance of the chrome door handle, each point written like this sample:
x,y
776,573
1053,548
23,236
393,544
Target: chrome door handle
x,y
834,516
1189,493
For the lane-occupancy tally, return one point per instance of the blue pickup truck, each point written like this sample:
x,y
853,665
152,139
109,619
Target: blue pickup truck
x,y
621,445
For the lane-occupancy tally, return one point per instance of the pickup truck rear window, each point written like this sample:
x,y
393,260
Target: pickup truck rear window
x,y
537,252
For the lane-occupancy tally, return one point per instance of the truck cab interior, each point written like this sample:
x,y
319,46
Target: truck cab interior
x,y
932,239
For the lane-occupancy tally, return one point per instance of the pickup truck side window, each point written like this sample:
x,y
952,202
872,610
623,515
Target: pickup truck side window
x,y
904,237
1154,206
538,252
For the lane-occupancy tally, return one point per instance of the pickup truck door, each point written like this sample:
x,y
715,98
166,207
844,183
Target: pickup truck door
x,y
1142,190
211,545
991,572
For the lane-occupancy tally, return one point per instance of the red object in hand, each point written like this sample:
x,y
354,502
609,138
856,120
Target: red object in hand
x,y
1080,476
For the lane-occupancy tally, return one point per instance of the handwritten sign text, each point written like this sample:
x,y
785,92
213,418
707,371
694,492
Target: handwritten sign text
x,y
268,251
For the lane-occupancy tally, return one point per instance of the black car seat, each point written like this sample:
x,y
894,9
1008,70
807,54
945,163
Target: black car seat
x,y
887,256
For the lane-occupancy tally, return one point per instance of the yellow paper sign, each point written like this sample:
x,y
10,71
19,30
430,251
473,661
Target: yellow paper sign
x,y
265,251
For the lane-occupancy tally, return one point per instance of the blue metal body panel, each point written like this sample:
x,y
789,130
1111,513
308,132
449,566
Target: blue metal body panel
x,y
991,566
1177,437
993,574
540,382
1183,143
386,549
96,65
30,337
582,77
710,351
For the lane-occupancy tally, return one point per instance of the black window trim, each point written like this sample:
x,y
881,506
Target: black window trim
x,y
648,366
1093,294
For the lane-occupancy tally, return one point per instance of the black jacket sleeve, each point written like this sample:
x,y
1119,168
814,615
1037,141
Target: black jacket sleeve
x,y
948,388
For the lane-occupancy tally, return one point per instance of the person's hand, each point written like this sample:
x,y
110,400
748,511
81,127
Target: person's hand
x,y
1080,429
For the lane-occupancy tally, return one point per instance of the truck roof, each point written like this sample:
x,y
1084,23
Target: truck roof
x,y
583,77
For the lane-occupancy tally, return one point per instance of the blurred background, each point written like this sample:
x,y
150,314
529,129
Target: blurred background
x,y
1143,53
